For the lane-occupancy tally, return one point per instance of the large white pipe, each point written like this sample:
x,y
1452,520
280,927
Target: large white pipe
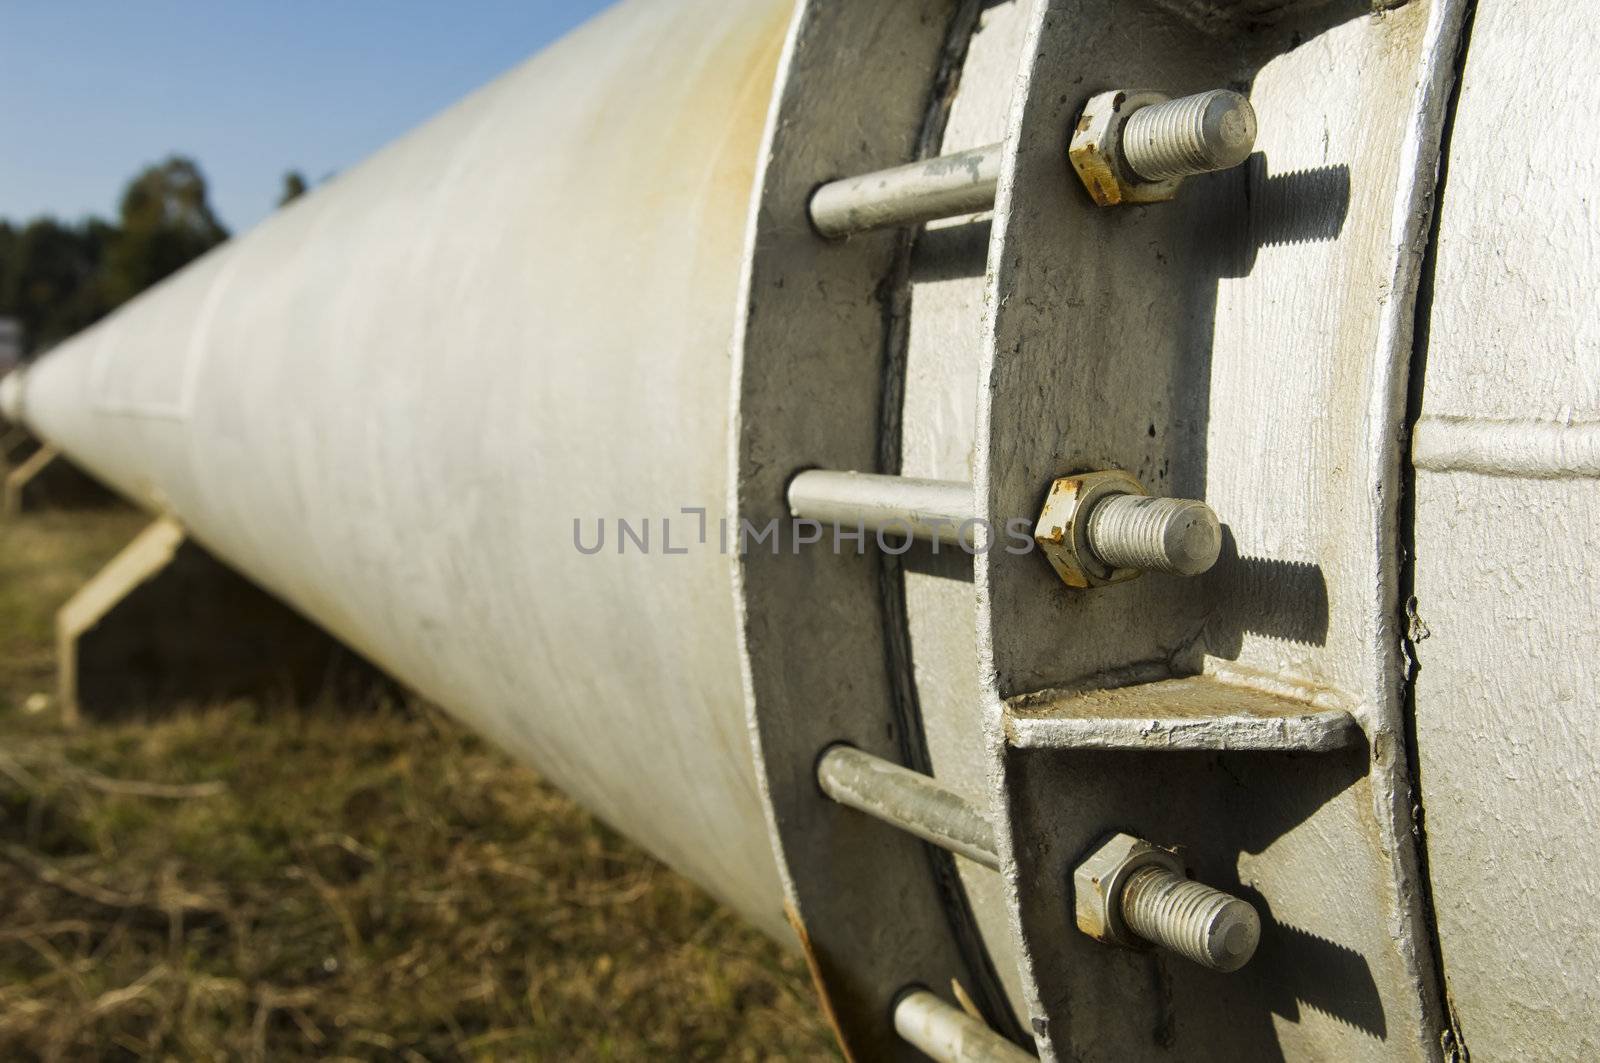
x,y
399,401
11,396
390,402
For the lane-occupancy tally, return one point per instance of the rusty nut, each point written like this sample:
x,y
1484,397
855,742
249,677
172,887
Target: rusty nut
x,y
1097,884
1096,151
1062,531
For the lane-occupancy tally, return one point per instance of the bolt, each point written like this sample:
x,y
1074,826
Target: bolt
x,y
1100,527
1212,928
1129,892
1193,135
1176,535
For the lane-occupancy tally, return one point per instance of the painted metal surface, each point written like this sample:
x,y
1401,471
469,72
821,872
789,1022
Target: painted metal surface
x,y
824,633
1506,618
1198,345
937,435
412,405
1190,713
391,401
11,397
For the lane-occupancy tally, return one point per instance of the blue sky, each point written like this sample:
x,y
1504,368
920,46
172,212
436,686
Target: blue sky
x,y
92,90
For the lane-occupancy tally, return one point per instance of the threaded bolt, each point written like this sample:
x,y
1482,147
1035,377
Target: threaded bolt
x,y
1176,535
1196,134
1212,928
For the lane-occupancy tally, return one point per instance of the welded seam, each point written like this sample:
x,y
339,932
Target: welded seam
x,y
1524,448
894,296
1452,1043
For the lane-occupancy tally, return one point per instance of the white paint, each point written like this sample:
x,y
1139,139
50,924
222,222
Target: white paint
x,y
1509,684
390,402
1537,450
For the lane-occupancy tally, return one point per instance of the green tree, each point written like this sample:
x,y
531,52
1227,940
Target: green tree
x,y
58,279
8,257
294,186
167,222
51,277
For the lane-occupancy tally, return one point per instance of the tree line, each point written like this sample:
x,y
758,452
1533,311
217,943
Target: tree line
x,y
57,278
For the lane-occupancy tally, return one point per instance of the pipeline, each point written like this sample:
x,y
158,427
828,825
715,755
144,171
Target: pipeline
x,y
539,409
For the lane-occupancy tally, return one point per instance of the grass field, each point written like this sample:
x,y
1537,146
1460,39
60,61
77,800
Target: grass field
x,y
266,882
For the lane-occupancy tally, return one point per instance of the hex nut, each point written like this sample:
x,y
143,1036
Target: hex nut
x,y
1096,151
1097,885
1062,530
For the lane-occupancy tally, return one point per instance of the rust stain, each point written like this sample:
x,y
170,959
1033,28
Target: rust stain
x,y
814,965
963,998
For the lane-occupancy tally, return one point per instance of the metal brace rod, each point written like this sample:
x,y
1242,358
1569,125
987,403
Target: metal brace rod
x,y
960,183
922,509
911,801
946,1034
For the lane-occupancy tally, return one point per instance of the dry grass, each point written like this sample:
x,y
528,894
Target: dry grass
x,y
44,558
256,882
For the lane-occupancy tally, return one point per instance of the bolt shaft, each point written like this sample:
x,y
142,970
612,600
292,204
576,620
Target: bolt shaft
x,y
1212,928
1196,134
1175,535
